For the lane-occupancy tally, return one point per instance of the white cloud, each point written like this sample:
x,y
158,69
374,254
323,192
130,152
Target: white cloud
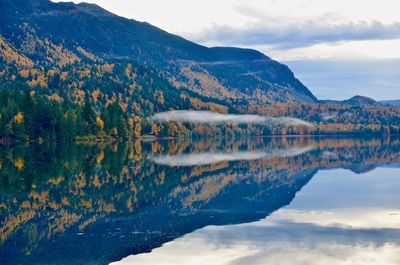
x,y
267,22
296,34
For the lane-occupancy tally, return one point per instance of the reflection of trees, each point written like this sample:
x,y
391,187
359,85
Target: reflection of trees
x,y
47,190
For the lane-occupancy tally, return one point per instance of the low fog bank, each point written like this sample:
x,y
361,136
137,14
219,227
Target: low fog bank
x,y
208,117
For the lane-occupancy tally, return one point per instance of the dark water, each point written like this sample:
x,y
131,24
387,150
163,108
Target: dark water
x,y
242,201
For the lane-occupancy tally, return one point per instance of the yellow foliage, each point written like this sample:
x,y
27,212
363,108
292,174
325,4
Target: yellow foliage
x,y
52,72
56,181
19,163
160,98
64,76
129,204
108,68
206,83
13,223
96,95
124,106
128,71
155,129
56,97
19,118
58,54
24,73
100,157
100,123
11,56
138,130
40,80
65,201
138,147
86,54
131,123
26,204
214,107
172,129
87,222
114,131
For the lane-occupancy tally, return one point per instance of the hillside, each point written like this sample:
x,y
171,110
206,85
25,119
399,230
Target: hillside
x,y
65,65
393,103
356,101
40,39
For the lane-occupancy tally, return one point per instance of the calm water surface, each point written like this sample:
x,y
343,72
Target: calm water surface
x,y
241,201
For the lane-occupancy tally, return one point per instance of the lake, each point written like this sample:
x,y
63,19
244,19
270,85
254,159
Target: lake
x,y
283,200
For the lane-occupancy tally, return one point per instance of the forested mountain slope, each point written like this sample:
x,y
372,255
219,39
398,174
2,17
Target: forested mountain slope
x,y
41,39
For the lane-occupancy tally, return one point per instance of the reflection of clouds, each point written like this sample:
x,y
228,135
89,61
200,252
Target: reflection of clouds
x,y
212,117
366,219
356,231
283,242
208,158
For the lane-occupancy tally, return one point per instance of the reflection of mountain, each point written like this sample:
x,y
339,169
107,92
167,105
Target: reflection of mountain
x,y
96,204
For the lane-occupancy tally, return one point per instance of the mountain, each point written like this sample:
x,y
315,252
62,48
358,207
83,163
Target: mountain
x,y
80,50
393,103
356,101
361,101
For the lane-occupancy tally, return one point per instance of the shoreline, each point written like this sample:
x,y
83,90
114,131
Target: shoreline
x,y
109,140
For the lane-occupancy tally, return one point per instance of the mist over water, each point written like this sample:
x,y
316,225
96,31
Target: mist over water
x,y
208,117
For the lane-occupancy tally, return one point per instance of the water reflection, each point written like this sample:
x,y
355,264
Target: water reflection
x,y
365,230
94,204
287,243
208,158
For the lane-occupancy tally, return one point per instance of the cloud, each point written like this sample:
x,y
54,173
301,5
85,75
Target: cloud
x,y
297,33
208,158
208,117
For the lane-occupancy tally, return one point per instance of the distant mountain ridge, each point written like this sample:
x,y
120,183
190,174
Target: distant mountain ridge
x,y
356,101
393,103
40,34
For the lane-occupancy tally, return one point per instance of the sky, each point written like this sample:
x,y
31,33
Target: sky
x,y
337,48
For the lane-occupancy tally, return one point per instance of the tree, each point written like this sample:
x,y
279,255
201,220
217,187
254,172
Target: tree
x,y
155,129
138,130
18,128
68,126
123,128
100,123
89,117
